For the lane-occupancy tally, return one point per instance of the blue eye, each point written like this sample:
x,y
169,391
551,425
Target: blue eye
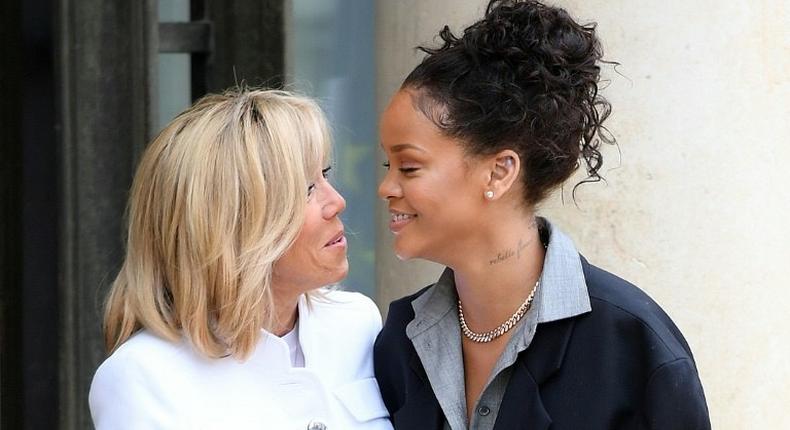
x,y
325,172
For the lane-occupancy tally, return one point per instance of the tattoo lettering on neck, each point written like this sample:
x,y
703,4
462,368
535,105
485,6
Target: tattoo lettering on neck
x,y
510,252
502,256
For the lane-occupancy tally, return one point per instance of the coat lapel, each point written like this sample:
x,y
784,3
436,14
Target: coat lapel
x,y
438,359
421,410
522,407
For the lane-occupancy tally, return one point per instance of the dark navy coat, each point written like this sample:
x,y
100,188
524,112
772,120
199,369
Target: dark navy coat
x,y
624,365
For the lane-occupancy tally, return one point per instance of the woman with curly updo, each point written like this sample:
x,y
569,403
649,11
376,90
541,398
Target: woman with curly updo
x,y
520,331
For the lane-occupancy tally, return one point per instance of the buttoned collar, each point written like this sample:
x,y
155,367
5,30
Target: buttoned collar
x,y
436,335
275,352
562,293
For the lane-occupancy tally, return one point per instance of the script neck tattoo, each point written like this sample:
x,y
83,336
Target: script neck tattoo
x,y
509,253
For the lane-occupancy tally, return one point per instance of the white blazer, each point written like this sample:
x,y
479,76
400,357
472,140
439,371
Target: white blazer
x,y
150,383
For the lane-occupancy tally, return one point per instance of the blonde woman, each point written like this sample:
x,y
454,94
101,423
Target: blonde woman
x,y
218,318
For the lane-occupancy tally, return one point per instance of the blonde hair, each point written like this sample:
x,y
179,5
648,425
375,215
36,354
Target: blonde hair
x,y
218,197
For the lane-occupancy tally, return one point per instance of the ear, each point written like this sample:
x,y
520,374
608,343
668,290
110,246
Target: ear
x,y
503,172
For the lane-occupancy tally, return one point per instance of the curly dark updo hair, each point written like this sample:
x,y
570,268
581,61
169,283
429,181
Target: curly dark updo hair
x,y
525,77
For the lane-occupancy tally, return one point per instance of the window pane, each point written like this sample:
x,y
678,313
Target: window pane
x,y
331,57
175,75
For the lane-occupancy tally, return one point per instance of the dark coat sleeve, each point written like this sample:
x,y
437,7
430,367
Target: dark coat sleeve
x,y
674,398
383,370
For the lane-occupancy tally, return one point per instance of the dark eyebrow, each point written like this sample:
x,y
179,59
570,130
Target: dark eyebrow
x,y
405,146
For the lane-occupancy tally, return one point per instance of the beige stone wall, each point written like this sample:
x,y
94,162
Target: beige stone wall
x,y
696,212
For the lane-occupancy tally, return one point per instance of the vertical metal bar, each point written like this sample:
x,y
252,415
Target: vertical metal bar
x,y
199,63
39,212
28,237
248,43
10,219
107,108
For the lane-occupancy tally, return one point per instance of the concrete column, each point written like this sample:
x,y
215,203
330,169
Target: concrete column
x,y
694,208
107,106
401,27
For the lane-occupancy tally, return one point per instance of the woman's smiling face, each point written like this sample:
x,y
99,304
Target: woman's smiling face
x,y
434,191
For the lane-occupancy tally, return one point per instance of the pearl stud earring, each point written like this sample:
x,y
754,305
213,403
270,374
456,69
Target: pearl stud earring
x,y
489,194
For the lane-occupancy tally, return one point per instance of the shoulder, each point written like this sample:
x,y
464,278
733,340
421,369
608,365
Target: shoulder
x,y
348,300
393,333
141,351
401,311
674,397
333,303
138,359
131,379
351,314
629,328
623,305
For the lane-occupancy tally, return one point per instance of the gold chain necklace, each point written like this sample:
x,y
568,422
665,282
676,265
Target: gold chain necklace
x,y
503,328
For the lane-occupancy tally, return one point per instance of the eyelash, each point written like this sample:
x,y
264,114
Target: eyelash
x,y
324,174
386,165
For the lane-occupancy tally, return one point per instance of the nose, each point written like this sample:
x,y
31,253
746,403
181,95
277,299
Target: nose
x,y
388,188
334,203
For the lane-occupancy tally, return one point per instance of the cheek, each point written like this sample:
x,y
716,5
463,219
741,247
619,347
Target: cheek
x,y
296,256
310,230
288,265
425,196
446,198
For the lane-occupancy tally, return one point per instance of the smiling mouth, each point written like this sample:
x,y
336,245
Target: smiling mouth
x,y
340,238
399,220
399,217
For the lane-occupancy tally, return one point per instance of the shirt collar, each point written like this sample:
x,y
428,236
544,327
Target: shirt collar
x,y
563,289
562,292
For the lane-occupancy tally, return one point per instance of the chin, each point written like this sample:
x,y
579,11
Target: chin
x,y
403,251
342,272
404,255
422,250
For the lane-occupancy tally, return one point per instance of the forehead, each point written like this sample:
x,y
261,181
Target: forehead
x,y
404,127
400,110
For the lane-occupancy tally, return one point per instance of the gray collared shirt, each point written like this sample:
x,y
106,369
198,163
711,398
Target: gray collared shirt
x,y
436,335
